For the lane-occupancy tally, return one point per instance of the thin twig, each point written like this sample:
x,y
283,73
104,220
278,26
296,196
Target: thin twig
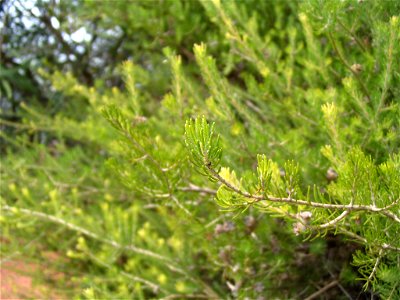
x,y
347,65
176,200
392,291
390,247
11,256
378,260
353,235
334,221
359,43
387,76
198,189
322,290
162,170
391,215
185,296
362,240
339,285
155,287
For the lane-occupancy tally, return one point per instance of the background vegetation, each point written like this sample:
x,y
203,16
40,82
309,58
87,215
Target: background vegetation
x,y
203,149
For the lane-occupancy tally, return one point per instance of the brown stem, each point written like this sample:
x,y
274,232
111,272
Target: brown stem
x,y
323,290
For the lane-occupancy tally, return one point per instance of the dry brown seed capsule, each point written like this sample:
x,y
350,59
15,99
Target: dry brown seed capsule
x,y
331,174
304,218
223,228
305,215
229,226
225,254
219,228
298,228
357,68
259,287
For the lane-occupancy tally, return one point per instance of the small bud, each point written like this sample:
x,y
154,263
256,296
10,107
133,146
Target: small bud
x,y
251,223
356,68
138,120
282,172
298,228
259,287
290,192
219,228
250,271
223,228
225,254
304,218
305,215
331,174
357,220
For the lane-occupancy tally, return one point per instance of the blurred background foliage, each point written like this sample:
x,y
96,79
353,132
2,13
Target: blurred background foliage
x,y
94,98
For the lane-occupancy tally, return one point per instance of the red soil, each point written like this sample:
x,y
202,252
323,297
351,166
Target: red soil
x,y
16,281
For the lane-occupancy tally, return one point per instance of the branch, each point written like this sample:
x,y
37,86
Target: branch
x,y
323,290
334,221
390,247
155,287
298,202
362,240
181,206
387,75
353,235
46,19
198,189
168,262
346,64
391,215
378,260
356,39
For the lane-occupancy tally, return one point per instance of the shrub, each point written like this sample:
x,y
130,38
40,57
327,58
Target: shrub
x,y
261,170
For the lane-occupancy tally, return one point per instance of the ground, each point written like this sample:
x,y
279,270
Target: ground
x,y
17,280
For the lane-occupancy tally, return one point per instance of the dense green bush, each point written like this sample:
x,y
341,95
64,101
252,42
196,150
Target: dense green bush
x,y
251,152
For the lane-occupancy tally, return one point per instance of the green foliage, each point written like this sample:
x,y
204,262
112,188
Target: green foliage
x,y
244,150
204,149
